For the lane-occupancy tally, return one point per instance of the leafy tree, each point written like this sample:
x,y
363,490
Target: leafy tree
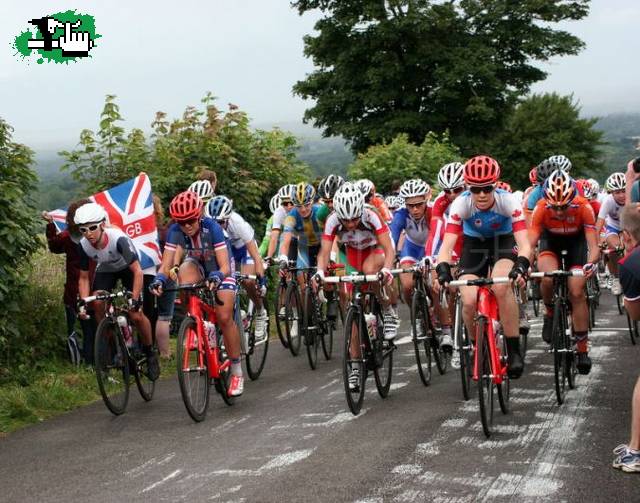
x,y
401,160
544,125
18,238
414,66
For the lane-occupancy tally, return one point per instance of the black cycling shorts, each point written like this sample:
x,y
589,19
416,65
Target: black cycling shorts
x,y
576,247
480,254
107,280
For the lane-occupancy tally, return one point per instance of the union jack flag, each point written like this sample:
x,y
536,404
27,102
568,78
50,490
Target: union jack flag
x,y
130,207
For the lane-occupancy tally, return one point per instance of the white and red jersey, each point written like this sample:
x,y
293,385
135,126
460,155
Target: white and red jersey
x,y
439,215
362,237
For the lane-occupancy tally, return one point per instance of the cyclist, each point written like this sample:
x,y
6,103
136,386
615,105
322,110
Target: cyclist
x,y
245,255
609,220
116,259
204,248
326,190
543,170
565,221
490,223
274,204
368,189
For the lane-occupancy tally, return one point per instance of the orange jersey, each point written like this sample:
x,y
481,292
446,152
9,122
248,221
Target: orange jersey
x,y
578,217
383,211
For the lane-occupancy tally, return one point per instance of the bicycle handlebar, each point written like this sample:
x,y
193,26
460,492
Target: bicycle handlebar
x,y
106,296
559,272
479,282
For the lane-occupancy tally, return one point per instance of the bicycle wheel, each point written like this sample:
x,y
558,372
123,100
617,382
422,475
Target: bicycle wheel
x,y
280,314
570,354
310,328
383,356
633,329
504,388
535,298
353,343
193,370
257,348
558,335
420,326
327,335
221,383
465,349
138,361
485,381
112,366
620,303
441,358
293,318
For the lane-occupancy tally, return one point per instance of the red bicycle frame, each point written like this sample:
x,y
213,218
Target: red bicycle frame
x,y
487,307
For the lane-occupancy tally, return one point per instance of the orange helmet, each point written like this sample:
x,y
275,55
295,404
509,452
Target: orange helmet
x,y
559,189
185,206
481,170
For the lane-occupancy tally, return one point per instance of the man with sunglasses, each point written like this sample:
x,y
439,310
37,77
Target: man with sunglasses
x,y
609,220
117,259
202,243
564,220
491,223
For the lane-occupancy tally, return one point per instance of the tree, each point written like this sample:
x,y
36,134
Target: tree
x,y
402,160
544,125
414,66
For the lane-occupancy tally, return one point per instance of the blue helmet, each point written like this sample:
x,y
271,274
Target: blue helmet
x,y
219,208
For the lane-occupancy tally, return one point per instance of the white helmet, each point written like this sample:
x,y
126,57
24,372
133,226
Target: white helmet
x,y
274,203
414,188
286,193
595,186
365,185
348,202
561,161
203,188
89,213
616,181
393,202
451,176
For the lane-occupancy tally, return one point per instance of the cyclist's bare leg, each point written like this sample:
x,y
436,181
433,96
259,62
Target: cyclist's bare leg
x,y
469,296
250,285
613,241
143,325
406,280
507,304
547,262
371,265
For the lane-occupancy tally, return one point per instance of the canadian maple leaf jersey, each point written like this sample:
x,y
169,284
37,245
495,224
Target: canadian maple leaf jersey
x,y
362,237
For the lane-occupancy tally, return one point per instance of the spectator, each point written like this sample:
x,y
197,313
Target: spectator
x,y
67,242
633,182
628,456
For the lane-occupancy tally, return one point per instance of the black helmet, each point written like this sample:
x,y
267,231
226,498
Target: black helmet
x,y
328,186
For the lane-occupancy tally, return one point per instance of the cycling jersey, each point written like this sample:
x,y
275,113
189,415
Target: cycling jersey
x,y
362,237
201,247
439,217
379,204
118,253
264,245
610,213
504,217
239,230
278,218
308,230
322,214
535,195
578,218
415,231
595,205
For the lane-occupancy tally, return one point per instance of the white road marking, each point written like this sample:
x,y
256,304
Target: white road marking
x,y
292,392
172,475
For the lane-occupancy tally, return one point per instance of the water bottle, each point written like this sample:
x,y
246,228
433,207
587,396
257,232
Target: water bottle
x,y
210,331
126,330
370,321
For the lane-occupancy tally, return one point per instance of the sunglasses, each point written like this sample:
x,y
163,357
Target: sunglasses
x,y
457,190
415,205
307,206
560,207
351,220
287,203
191,221
327,201
89,228
487,189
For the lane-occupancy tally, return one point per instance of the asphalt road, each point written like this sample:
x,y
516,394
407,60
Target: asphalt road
x,y
291,438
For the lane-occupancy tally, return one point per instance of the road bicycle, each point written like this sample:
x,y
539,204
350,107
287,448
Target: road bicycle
x,y
118,353
201,358
614,254
365,348
253,348
593,298
490,350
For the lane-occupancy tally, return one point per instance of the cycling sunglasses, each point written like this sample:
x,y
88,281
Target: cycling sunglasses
x,y
457,190
487,189
415,205
348,221
88,228
561,207
191,221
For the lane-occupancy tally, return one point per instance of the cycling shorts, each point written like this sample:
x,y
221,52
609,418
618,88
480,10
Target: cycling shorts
x,y
609,230
355,258
107,280
480,254
411,253
241,256
576,246
229,282
307,256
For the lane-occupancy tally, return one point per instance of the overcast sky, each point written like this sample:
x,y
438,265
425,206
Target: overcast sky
x,y
165,55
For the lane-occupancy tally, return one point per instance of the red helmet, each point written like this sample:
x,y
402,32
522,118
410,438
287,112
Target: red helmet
x,y
533,175
185,206
481,170
503,185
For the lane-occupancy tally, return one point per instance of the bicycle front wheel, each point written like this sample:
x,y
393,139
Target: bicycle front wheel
x,y
383,355
258,348
112,366
354,370
485,381
327,336
421,326
280,314
193,370
293,318
310,328
504,388
560,371
146,386
464,350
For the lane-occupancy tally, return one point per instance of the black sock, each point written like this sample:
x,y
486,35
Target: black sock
x,y
513,345
147,349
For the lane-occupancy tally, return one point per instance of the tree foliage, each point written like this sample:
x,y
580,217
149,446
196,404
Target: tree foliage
x,y
251,165
544,125
414,66
18,238
401,160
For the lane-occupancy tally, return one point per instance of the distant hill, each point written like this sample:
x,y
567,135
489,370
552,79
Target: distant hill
x,y
622,133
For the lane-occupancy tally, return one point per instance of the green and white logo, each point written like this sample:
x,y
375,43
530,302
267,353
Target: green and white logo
x,y
59,38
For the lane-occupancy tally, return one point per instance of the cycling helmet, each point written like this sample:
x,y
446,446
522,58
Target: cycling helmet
x,y
533,176
393,202
595,186
348,202
544,169
203,188
587,190
286,193
616,181
220,208
581,184
481,170
90,213
414,188
328,186
304,194
562,162
559,189
274,203
451,176
503,185
185,206
366,186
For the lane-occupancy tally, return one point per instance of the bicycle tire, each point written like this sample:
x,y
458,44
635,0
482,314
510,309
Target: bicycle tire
x,y
570,354
485,382
558,335
112,366
146,387
352,334
221,383
293,318
257,351
633,329
327,336
464,350
439,356
279,302
192,367
310,328
420,325
620,303
383,372
504,388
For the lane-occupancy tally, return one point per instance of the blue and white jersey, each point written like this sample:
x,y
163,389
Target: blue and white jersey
x,y
610,213
504,217
534,196
415,231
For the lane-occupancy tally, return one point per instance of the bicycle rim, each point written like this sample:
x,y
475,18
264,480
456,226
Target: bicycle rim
x,y
257,351
293,319
327,336
620,303
222,383
420,338
464,350
279,302
559,361
570,359
384,371
504,388
485,382
193,370
310,329
112,366
352,335
146,387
